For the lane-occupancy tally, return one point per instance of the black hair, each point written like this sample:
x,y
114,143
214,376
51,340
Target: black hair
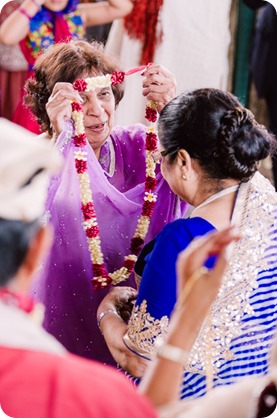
x,y
15,238
214,128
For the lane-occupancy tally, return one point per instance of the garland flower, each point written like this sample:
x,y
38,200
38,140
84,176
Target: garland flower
x,y
101,278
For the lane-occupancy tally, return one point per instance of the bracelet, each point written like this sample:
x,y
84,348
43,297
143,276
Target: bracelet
x,y
101,316
190,283
24,12
173,353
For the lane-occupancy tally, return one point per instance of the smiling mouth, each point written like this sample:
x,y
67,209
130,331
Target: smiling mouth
x,y
96,126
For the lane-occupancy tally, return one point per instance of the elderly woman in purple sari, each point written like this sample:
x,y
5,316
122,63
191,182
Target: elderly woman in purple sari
x,y
110,198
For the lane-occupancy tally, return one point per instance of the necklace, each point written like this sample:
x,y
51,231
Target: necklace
x,y
101,278
216,196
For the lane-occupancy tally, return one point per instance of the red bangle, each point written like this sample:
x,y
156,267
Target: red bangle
x,y
23,11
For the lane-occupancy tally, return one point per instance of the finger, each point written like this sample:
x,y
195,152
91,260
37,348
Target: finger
x,y
158,79
159,89
62,86
157,69
65,90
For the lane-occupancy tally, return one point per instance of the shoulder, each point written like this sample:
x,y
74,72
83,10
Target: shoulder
x,y
191,227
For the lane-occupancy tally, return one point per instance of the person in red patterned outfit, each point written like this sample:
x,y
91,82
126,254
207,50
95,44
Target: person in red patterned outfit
x,y
36,24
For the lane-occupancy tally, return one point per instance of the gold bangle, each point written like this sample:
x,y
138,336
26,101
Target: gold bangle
x,y
173,353
190,283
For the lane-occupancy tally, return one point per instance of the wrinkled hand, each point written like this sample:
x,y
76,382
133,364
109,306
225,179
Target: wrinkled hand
x,y
159,85
58,106
195,256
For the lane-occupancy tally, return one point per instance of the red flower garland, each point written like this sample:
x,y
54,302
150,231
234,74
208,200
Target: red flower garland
x,y
101,278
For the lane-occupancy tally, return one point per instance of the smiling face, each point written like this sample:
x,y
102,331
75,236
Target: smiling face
x,y
55,5
99,108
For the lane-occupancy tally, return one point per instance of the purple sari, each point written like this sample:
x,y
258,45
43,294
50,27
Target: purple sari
x,y
64,281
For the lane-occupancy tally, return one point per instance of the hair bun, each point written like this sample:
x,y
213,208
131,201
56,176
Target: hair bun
x,y
241,143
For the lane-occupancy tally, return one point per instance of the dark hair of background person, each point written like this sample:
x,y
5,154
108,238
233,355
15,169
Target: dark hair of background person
x,y
214,128
15,238
66,62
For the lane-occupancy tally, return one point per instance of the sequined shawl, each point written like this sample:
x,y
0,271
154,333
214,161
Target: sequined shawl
x,y
255,214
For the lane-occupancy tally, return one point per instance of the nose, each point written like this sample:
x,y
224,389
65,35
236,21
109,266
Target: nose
x,y
94,106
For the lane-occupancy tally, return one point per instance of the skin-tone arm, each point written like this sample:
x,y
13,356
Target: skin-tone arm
x,y
104,12
162,380
16,26
114,328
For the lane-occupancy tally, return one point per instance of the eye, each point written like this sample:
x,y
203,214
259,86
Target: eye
x,y
84,97
105,94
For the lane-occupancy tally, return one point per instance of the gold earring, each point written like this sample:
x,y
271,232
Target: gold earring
x,y
184,177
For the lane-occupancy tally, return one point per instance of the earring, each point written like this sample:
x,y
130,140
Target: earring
x,y
184,177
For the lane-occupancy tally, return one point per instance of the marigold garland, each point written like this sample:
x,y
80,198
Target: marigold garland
x,y
101,278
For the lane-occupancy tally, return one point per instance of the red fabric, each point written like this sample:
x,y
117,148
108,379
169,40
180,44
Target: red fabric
x,y
42,385
11,83
61,29
141,24
22,115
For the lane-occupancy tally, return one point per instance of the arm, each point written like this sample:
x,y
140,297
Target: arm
x,y
114,327
104,12
16,26
158,288
162,380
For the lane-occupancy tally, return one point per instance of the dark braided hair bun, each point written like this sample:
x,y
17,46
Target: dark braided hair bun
x,y
241,143
217,131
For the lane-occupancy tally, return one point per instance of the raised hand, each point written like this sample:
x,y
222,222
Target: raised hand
x,y
159,85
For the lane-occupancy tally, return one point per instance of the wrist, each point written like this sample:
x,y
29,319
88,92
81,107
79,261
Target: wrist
x,y
184,327
103,314
31,7
173,353
38,4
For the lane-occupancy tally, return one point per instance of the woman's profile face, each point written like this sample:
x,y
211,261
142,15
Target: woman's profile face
x,y
99,109
55,5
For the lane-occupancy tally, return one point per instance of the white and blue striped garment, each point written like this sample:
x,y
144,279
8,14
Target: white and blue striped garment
x,y
252,348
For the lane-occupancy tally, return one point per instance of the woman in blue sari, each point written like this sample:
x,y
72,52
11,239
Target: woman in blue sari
x,y
210,147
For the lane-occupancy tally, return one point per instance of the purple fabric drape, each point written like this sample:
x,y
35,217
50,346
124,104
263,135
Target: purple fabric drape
x,y
64,281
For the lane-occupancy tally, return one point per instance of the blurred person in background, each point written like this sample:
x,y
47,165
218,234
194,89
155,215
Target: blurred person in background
x,y
37,24
190,38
